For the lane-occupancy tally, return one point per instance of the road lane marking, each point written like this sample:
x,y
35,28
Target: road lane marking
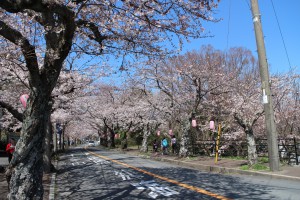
x,y
184,185
126,172
155,188
153,195
122,175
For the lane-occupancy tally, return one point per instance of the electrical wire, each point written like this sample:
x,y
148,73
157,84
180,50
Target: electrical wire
x,y
286,52
248,4
228,24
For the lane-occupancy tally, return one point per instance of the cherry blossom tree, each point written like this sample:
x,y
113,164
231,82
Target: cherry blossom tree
x,y
286,98
115,109
244,100
14,83
78,130
191,83
146,116
43,33
101,112
214,84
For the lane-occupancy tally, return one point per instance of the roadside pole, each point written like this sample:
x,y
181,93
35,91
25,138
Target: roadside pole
x,y
218,143
267,97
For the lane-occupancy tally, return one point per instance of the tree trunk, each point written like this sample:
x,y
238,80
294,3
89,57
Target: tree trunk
x,y
54,139
1,114
252,154
47,147
185,127
105,137
251,146
144,147
59,140
111,139
63,138
27,162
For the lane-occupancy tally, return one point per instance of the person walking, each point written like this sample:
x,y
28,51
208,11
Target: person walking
x,y
155,146
10,148
164,145
174,144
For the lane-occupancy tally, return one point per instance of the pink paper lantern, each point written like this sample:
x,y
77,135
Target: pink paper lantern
x,y
23,99
158,133
212,125
117,136
194,123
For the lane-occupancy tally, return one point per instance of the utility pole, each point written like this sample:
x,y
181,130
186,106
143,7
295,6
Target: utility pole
x,y
267,97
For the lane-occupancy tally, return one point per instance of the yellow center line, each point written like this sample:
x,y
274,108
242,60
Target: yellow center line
x,y
190,187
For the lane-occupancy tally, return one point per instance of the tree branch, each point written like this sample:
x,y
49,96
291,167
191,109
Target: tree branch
x,y
18,39
96,33
12,110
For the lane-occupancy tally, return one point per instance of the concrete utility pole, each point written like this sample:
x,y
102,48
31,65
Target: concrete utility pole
x,y
267,97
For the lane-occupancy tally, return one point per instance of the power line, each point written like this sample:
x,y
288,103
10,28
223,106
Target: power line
x,y
283,41
281,36
248,4
228,24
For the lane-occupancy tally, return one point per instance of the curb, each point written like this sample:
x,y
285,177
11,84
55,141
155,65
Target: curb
x,y
221,170
52,187
53,184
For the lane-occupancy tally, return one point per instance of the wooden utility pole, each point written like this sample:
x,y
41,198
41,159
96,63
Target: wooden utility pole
x,y
267,97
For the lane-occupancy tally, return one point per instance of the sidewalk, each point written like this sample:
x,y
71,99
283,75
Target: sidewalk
x,y
3,183
225,166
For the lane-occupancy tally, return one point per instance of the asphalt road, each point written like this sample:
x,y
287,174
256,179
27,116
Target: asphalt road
x,y
99,174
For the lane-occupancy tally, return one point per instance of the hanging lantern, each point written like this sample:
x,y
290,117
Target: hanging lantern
x,y
117,136
194,123
212,125
170,132
158,133
23,99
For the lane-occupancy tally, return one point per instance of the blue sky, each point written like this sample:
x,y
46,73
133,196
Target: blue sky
x,y
240,31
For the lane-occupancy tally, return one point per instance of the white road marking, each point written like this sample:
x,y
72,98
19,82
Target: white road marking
x,y
155,188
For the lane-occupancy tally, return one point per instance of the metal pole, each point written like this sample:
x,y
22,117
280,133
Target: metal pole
x,y
218,142
267,97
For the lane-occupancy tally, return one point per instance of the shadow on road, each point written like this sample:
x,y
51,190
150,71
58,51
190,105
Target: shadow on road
x,y
82,178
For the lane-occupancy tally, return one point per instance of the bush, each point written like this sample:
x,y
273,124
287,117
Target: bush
x,y
263,160
118,141
256,167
